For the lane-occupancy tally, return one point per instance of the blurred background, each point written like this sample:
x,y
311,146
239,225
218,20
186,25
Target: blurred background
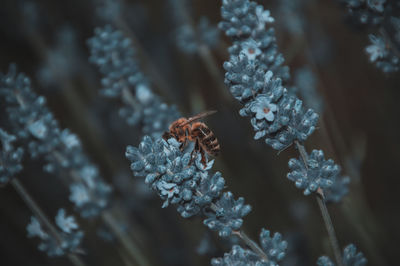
x,y
359,129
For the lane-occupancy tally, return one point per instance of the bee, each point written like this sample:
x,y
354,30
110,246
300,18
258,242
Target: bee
x,y
187,129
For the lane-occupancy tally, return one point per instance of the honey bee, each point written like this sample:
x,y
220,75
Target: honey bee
x,y
187,129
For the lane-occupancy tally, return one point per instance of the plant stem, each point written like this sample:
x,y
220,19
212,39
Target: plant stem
x,y
38,213
329,227
111,222
324,210
249,242
132,249
253,245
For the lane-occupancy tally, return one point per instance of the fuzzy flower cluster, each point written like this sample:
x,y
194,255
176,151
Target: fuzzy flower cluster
x,y
350,258
10,157
27,113
33,123
254,75
189,39
366,12
383,49
114,55
318,173
381,53
185,182
273,246
66,241
246,23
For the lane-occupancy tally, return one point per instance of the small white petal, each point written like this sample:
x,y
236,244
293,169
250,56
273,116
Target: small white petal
x,y
270,116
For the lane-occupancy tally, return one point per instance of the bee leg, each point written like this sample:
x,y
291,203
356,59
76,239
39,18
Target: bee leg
x,y
166,136
183,145
194,151
203,158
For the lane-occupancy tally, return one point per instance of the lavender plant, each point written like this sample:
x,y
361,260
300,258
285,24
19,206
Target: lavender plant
x,y
189,39
381,53
10,157
195,191
32,121
190,36
166,168
69,231
366,12
318,173
350,258
257,78
275,115
113,54
381,17
274,247
54,243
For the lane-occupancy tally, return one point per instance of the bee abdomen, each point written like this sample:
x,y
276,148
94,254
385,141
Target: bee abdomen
x,y
207,139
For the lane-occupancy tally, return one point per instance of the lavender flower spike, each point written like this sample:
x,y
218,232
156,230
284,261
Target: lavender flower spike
x,y
33,123
114,55
70,234
350,258
189,186
274,247
10,157
318,173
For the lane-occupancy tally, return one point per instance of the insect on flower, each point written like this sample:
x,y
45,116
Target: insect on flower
x,y
187,129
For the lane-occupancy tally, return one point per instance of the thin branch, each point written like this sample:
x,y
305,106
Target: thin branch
x,y
108,218
129,245
253,245
132,248
329,227
37,212
249,242
324,210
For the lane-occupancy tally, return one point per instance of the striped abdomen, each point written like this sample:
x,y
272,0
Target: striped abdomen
x,y
206,137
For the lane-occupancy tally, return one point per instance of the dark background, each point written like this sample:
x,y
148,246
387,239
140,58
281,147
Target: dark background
x,y
359,129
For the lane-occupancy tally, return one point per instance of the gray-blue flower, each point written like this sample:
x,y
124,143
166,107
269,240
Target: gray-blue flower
x,y
350,258
263,108
317,173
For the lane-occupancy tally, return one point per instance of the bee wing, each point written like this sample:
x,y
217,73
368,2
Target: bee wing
x,y
199,116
